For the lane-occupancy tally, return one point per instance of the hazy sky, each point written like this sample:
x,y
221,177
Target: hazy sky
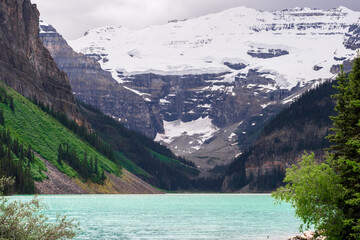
x,y
73,17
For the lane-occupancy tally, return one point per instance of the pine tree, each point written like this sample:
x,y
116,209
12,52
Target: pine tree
x,y
346,148
60,154
11,103
103,176
96,165
91,165
30,155
2,121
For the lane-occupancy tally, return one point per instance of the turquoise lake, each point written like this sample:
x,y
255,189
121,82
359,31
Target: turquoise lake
x,y
175,216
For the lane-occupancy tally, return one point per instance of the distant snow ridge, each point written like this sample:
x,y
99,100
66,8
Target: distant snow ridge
x,y
298,38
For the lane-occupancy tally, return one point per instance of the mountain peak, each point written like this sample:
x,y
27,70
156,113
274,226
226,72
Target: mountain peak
x,y
344,9
185,47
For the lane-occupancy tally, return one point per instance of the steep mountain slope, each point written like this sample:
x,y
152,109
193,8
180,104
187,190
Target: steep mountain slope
x,y
26,65
218,78
31,126
300,127
92,85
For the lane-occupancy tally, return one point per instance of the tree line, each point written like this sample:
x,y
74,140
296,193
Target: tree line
x,y
16,161
87,168
89,136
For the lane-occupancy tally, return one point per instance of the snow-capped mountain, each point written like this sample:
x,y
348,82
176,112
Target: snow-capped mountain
x,y
217,78
236,36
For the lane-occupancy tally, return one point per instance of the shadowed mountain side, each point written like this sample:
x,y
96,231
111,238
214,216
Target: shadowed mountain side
x,y
298,128
95,86
25,64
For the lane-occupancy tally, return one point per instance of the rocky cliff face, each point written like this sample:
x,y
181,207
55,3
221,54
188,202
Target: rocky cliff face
x,y
204,116
353,36
92,85
25,64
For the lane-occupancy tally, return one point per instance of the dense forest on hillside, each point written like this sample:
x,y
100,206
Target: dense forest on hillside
x,y
149,160
16,160
81,130
300,127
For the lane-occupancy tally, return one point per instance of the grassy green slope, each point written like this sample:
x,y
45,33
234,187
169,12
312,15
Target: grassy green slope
x,y
140,155
31,126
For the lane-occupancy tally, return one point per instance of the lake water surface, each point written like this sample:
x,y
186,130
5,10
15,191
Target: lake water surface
x,y
175,216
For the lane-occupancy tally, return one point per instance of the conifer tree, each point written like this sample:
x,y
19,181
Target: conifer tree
x,y
96,165
60,154
11,103
91,165
346,139
103,175
2,121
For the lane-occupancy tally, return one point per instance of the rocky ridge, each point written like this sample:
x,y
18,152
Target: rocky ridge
x,y
92,85
353,37
26,65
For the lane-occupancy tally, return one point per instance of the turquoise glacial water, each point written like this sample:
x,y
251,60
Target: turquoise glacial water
x,y
175,216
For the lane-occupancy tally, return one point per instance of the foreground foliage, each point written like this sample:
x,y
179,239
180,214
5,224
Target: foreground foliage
x,y
346,148
314,190
327,195
24,220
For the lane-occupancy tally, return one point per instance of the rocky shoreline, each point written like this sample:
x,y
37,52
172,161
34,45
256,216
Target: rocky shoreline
x,y
307,235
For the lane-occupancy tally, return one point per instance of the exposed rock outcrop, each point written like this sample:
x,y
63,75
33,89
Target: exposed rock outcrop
x,y
25,64
353,37
267,53
92,85
188,98
57,182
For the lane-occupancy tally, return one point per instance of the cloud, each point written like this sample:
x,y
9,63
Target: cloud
x,y
73,17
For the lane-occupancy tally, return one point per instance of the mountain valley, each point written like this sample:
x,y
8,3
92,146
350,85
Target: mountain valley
x,y
211,83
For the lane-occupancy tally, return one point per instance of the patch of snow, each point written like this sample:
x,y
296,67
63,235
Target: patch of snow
x,y
196,148
201,128
266,105
204,106
42,25
137,92
164,101
232,136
